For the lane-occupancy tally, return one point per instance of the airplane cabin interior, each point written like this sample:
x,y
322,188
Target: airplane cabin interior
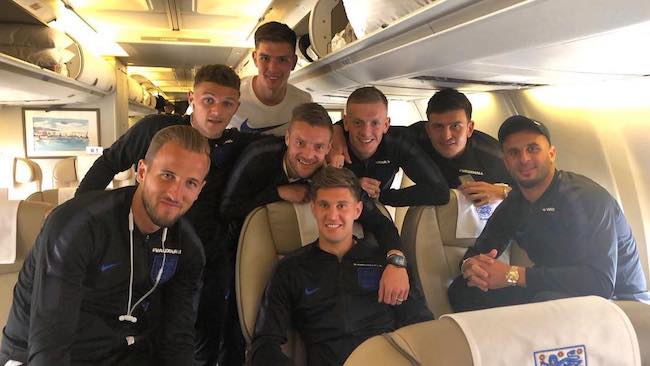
x,y
582,67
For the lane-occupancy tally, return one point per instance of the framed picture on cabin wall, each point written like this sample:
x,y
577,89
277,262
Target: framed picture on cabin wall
x,y
56,133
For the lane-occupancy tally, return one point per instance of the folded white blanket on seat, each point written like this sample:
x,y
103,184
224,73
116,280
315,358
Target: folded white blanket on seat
x,y
309,227
584,331
471,219
8,222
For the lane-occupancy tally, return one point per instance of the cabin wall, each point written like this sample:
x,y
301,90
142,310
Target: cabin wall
x,y
11,142
113,122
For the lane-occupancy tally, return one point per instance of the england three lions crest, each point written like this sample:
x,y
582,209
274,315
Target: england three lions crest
x,y
567,356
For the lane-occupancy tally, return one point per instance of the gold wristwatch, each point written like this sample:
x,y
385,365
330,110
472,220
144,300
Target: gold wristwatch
x,y
512,276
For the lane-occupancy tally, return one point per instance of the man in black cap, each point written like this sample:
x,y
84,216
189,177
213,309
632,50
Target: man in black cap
x,y
570,227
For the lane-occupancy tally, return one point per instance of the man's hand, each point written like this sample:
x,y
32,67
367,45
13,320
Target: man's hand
x,y
339,153
394,285
475,269
336,161
482,193
371,186
295,193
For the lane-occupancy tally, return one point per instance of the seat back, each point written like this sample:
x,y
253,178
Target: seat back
x,y
434,343
441,342
27,178
429,237
269,233
54,197
29,221
64,173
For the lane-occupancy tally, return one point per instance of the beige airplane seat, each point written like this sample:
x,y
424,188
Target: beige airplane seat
x,y
441,342
83,164
429,238
269,232
27,178
54,196
29,221
65,173
433,343
123,179
430,242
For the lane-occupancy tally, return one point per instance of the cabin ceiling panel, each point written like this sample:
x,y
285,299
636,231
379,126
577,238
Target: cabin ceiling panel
x,y
115,21
95,5
239,8
178,55
221,22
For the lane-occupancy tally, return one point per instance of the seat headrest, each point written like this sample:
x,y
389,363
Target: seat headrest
x,y
284,227
24,171
65,172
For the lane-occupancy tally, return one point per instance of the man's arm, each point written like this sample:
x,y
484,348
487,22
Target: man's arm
x,y
394,283
380,226
430,186
339,154
179,314
483,193
499,231
493,241
124,153
62,253
251,183
591,245
273,320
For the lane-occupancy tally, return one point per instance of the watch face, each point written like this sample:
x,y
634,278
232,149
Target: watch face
x,y
397,260
512,276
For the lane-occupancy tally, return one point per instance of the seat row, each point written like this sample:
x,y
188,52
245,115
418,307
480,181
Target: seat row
x,y
429,237
274,230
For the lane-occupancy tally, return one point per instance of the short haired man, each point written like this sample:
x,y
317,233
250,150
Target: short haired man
x,y
112,275
458,149
273,169
377,152
267,99
214,101
570,227
326,290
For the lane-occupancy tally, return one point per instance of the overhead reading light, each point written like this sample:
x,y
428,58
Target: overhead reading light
x,y
70,22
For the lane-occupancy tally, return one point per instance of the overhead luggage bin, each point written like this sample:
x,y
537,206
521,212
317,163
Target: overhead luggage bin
x,y
475,44
27,84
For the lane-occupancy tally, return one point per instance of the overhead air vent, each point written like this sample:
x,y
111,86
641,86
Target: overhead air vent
x,y
442,79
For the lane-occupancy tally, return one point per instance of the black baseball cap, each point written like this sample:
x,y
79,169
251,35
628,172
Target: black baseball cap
x,y
519,123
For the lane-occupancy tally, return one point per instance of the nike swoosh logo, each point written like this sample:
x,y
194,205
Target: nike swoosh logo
x,y
107,266
247,128
311,290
